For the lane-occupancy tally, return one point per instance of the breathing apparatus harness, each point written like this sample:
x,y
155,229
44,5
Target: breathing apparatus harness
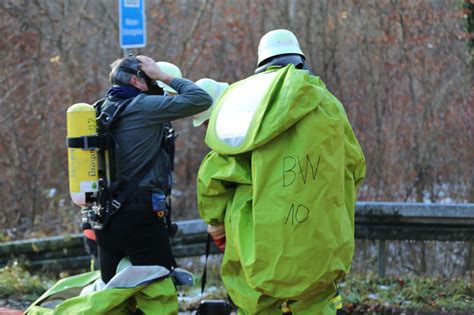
x,y
114,189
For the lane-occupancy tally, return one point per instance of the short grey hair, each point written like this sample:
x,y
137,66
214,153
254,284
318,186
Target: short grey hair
x,y
119,74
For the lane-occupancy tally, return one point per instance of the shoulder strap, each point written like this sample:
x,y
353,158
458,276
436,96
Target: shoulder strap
x,y
109,115
169,141
168,145
106,119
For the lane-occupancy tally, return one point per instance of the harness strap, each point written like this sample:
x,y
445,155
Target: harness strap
x,y
91,142
204,273
120,190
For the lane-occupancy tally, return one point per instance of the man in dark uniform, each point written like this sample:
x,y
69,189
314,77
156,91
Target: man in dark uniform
x,y
135,230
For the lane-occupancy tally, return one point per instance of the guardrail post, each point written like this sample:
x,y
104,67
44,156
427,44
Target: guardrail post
x,y
470,267
381,258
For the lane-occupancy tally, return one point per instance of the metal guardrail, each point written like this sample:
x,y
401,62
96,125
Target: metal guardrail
x,y
373,220
385,221
414,221
58,252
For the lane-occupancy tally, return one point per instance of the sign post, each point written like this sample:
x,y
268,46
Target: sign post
x,y
132,24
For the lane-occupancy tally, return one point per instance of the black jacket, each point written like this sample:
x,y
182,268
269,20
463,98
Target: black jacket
x,y
138,129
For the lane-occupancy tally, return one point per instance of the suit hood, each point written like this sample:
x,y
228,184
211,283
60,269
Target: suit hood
x,y
255,110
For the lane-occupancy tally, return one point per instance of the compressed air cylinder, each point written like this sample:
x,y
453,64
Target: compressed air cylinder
x,y
83,163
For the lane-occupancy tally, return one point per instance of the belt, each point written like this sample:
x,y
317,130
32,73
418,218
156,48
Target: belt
x,y
139,197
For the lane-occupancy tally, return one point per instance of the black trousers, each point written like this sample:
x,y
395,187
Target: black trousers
x,y
134,231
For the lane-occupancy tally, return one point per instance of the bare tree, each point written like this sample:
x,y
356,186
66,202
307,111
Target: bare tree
x,y
401,69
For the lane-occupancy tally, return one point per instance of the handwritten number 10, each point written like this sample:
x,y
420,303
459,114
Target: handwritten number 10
x,y
299,215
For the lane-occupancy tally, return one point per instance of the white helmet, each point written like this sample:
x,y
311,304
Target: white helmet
x,y
215,90
278,42
173,71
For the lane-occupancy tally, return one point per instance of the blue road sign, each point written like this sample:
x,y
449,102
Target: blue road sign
x,y
132,23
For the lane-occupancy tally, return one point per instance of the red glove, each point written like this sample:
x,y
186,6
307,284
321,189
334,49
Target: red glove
x,y
218,235
89,233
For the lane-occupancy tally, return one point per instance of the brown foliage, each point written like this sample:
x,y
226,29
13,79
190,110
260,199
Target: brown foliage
x,y
401,69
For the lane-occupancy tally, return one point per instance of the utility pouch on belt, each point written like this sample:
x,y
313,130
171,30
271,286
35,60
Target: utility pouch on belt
x,y
158,203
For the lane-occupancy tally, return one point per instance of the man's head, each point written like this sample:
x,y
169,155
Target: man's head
x,y
215,90
126,71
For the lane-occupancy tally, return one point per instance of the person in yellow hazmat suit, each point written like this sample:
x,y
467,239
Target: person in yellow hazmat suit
x,y
281,179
